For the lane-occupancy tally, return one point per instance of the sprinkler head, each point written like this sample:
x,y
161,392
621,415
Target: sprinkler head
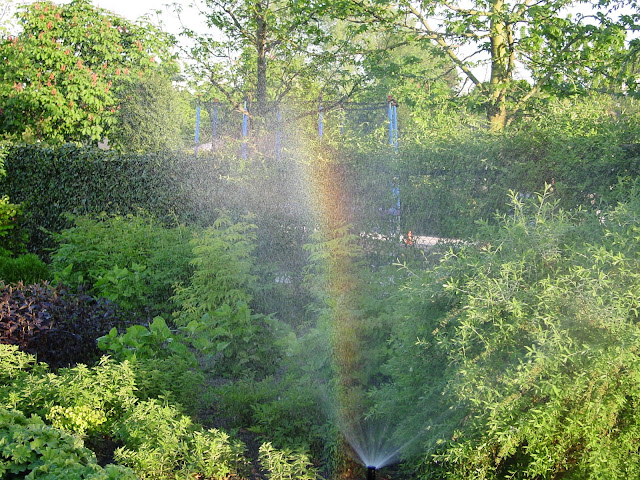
x,y
371,473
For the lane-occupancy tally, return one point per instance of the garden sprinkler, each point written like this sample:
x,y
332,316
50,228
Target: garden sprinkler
x,y
371,473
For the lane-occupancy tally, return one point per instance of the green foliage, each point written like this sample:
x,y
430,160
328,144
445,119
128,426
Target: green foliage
x,y
560,52
61,74
453,175
174,379
59,326
238,340
27,268
33,450
222,269
16,364
152,117
156,341
12,238
264,62
156,440
107,391
290,414
133,261
163,364
286,464
532,330
214,312
160,443
52,182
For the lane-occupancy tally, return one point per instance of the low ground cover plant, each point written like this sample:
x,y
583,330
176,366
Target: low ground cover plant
x,y
58,325
31,449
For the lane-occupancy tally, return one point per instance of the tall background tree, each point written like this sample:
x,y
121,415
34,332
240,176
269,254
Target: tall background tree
x,y
553,42
66,74
266,51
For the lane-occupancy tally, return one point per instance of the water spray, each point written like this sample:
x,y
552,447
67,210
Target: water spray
x,y
371,473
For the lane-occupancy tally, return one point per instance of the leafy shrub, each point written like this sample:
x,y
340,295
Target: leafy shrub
x,y
291,415
286,464
533,333
53,181
160,443
59,326
85,401
101,404
131,260
235,401
214,310
222,266
237,340
15,364
155,341
163,364
12,237
31,449
584,146
174,378
27,268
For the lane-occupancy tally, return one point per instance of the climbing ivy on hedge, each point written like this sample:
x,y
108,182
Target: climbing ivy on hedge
x,y
51,182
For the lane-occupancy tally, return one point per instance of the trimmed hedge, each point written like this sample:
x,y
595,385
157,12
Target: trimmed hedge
x,y
85,180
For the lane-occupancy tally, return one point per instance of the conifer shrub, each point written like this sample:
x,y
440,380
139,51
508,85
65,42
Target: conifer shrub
x,y
27,268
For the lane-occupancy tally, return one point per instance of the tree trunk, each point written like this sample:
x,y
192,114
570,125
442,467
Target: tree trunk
x,y
500,68
261,50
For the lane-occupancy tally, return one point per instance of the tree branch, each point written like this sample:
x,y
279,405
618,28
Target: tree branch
x,y
434,35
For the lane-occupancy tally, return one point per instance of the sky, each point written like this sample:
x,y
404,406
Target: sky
x,y
133,9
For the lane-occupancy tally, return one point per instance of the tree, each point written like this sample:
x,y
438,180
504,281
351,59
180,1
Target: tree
x,y
152,116
60,78
549,44
6,9
271,50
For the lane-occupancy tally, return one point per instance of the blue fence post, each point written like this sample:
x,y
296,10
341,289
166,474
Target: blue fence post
x,y
197,135
390,115
245,124
392,111
320,119
395,125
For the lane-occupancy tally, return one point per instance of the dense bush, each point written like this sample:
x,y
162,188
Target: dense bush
x,y
586,148
163,364
160,443
59,326
51,182
27,268
286,464
133,260
527,344
213,306
31,449
12,237
101,405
